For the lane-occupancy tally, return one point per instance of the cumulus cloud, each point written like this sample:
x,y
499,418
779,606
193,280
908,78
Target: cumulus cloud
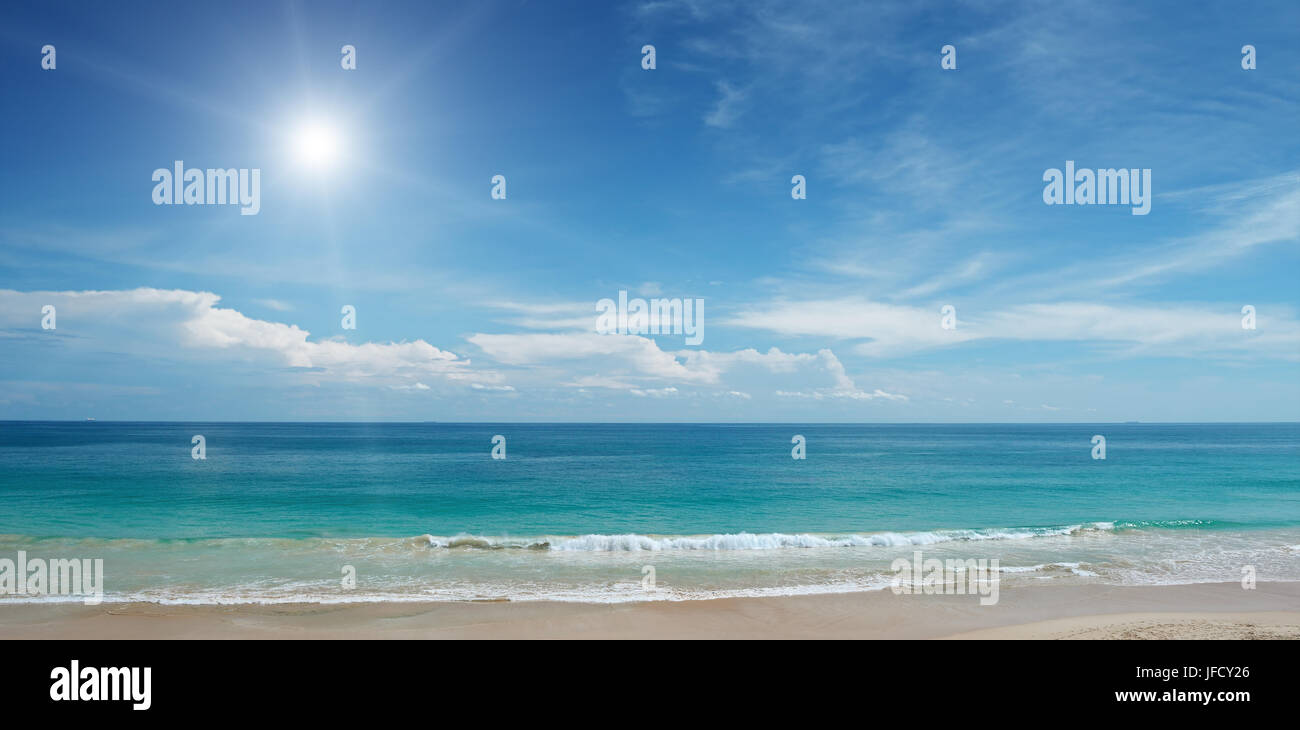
x,y
635,363
640,355
176,322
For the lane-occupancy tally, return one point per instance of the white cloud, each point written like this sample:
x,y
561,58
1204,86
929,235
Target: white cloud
x,y
171,323
549,315
890,330
654,392
639,355
635,363
728,107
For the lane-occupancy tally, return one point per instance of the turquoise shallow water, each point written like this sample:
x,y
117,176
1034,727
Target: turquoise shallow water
x,y
578,512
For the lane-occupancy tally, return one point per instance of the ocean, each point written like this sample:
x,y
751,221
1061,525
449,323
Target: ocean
x,y
289,512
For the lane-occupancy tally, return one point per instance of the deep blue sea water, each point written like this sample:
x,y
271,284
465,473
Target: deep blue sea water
x,y
577,511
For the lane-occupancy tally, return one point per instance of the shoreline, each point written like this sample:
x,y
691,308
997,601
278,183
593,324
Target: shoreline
x,y
1200,611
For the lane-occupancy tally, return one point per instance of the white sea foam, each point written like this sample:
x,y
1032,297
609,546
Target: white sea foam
x,y
1072,567
479,593
607,568
632,542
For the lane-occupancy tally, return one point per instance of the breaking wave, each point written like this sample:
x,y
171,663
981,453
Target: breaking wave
x,y
756,541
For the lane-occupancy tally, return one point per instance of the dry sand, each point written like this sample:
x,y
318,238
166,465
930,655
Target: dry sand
x,y
1203,611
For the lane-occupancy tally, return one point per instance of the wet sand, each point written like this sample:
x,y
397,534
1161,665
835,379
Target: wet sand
x,y
1201,611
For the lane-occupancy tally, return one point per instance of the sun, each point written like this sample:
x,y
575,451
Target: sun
x,y
317,145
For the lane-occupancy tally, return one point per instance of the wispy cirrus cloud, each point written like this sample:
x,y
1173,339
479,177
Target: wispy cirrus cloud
x,y
881,329
729,107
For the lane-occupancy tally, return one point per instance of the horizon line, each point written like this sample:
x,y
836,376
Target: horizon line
x,y
687,423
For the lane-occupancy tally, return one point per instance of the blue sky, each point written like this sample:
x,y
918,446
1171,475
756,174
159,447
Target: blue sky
x,y
924,189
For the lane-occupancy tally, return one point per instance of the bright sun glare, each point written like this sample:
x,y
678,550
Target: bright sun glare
x,y
317,145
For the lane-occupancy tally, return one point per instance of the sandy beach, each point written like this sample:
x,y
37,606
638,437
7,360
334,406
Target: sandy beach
x,y
1201,611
